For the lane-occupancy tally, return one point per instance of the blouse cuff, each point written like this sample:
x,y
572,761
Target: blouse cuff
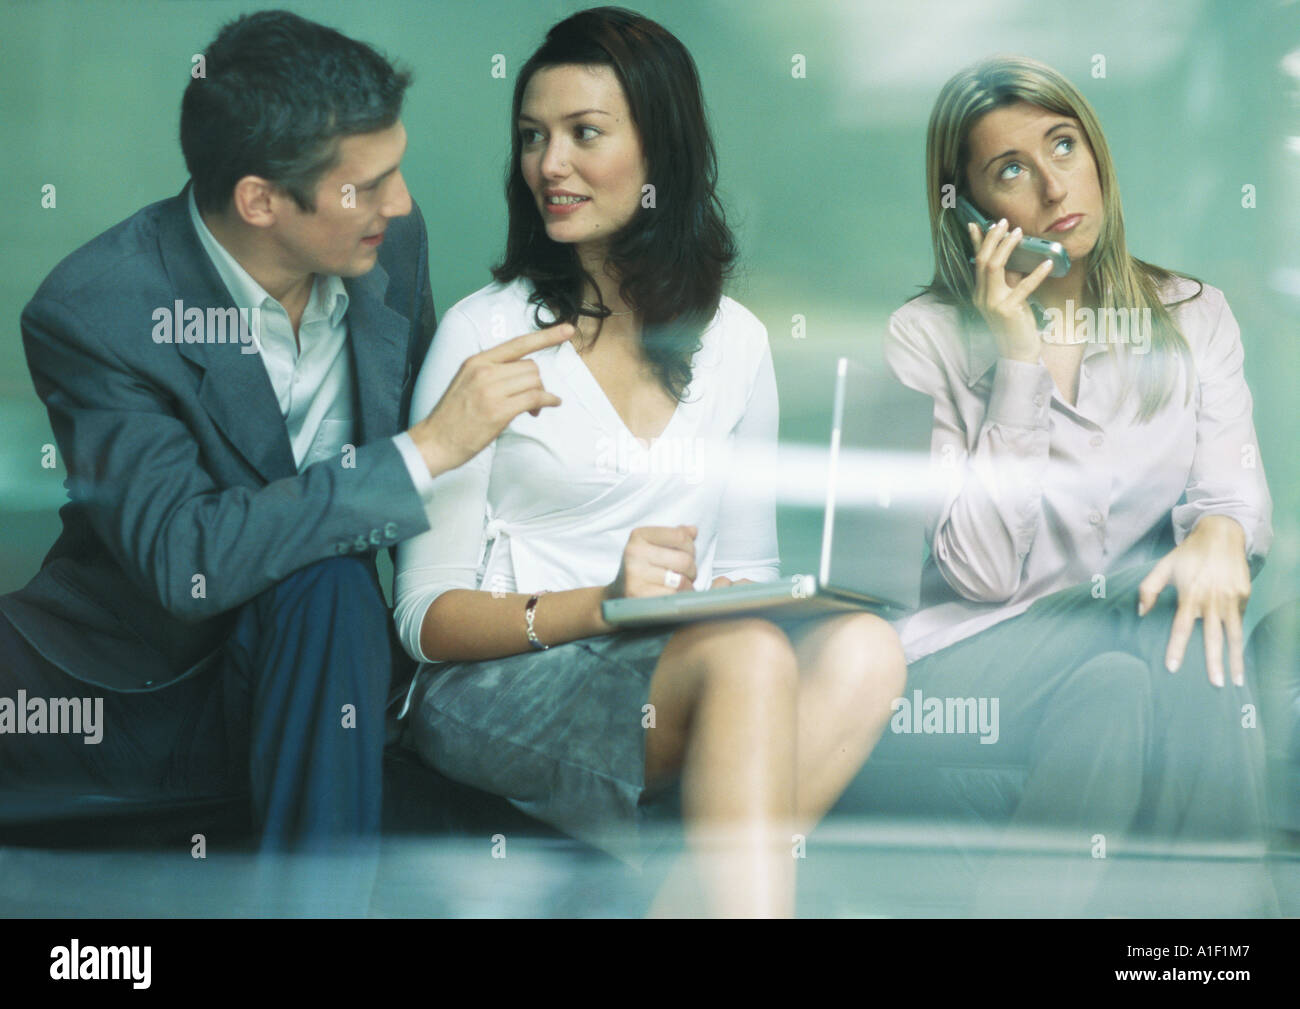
x,y
1258,539
766,573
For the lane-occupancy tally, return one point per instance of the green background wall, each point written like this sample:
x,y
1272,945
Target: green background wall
x,y
823,176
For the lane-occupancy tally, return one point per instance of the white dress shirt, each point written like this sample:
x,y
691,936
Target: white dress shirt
x,y
1043,495
313,386
550,504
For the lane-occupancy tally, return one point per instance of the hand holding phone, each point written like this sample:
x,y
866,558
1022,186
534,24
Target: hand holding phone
x,y
1005,307
1028,253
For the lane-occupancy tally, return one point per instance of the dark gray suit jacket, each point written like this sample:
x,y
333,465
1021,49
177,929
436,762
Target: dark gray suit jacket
x,y
178,458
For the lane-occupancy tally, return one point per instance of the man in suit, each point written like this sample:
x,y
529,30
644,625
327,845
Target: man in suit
x,y
226,373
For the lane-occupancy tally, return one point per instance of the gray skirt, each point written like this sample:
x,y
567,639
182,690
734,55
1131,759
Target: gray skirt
x,y
559,733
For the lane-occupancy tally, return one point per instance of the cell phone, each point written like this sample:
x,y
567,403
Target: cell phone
x,y
1029,254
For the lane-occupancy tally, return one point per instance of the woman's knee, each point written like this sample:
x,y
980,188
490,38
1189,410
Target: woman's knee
x,y
1186,698
1102,709
745,669
860,660
1119,675
750,654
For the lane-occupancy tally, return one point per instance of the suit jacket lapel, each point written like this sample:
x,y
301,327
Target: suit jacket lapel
x,y
379,339
236,390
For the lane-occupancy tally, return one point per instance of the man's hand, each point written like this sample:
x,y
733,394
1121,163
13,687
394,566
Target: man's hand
x,y
1209,571
489,391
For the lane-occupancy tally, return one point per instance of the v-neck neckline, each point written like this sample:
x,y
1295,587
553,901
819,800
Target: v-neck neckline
x,y
602,403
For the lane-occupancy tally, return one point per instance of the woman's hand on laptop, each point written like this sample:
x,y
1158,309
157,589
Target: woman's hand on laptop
x,y
657,561
722,581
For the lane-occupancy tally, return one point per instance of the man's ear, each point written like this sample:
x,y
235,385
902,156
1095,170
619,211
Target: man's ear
x,y
254,201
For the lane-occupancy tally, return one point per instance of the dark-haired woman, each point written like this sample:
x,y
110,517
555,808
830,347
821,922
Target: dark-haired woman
x,y
1082,421
627,489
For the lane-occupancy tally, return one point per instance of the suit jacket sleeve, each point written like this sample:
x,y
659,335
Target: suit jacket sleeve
x,y
136,471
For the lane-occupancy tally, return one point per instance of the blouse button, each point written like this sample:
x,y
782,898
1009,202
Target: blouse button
x,y
1095,518
1096,441
1038,400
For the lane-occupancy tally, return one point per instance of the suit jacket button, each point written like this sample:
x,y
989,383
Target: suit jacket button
x,y
390,530
375,538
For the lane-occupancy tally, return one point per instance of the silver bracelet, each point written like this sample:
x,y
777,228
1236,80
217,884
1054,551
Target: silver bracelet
x,y
530,613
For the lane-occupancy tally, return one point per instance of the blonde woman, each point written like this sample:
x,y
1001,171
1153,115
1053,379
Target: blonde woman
x,y
1104,487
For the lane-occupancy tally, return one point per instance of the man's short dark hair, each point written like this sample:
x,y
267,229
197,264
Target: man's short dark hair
x,y
278,94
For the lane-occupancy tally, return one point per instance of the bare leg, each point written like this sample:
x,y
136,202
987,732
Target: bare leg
x,y
724,695
753,771
850,670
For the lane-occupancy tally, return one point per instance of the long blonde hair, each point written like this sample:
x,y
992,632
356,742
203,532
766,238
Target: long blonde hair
x,y
1115,279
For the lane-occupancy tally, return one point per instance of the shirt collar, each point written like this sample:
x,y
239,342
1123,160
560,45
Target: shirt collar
x,y
329,298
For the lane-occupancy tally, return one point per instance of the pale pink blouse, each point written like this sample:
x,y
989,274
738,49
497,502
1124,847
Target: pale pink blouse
x,y
1040,495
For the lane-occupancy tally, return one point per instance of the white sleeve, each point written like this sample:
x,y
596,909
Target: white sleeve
x,y
747,546
447,555
415,464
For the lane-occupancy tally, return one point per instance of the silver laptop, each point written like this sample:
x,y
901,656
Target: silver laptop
x,y
878,485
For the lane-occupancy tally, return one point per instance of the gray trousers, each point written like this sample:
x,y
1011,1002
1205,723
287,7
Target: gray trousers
x,y
1115,745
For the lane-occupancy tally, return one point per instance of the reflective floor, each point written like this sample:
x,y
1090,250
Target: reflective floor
x,y
847,869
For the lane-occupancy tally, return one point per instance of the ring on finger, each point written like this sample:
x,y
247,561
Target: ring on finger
x,y
672,579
